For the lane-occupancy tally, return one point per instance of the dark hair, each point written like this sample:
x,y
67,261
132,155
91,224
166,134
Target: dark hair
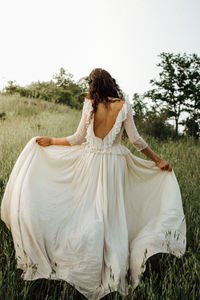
x,y
101,86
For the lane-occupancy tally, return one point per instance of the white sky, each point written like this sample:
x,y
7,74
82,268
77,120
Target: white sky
x,y
122,36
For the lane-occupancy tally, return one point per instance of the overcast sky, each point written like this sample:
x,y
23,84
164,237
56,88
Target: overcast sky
x,y
122,36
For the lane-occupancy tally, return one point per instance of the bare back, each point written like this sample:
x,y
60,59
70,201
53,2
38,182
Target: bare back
x,y
104,118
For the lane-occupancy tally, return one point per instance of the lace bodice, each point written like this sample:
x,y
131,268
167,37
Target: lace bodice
x,y
123,121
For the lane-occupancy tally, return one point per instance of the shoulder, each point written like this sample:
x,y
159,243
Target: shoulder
x,y
117,99
88,100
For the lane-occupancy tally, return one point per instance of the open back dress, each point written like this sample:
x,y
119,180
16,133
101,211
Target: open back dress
x,y
89,212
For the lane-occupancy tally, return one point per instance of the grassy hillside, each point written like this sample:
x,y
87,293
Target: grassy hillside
x,y
166,276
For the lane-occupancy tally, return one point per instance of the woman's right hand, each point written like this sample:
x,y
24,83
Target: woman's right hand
x,y
164,165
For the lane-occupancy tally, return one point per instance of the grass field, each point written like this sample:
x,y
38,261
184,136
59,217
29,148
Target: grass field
x,y
166,277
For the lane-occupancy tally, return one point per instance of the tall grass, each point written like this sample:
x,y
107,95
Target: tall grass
x,y
166,276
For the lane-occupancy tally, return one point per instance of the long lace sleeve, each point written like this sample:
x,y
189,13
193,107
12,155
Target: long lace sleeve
x,y
78,137
132,132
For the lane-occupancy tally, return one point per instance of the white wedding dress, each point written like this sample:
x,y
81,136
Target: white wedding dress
x,y
88,212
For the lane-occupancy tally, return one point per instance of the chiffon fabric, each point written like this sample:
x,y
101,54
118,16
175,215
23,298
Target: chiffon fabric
x,y
89,212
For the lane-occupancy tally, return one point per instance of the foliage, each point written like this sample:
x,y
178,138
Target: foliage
x,y
2,116
11,89
155,124
61,89
192,126
63,79
151,121
178,86
139,107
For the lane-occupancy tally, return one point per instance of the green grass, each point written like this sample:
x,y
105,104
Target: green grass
x,y
166,277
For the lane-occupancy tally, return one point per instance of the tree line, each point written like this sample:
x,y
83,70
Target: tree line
x,y
62,88
175,91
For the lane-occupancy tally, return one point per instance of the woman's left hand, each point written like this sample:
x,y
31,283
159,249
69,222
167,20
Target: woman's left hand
x,y
164,165
44,141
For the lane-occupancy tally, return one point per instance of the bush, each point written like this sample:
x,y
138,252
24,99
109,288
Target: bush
x,y
62,89
155,124
2,116
152,121
192,126
12,88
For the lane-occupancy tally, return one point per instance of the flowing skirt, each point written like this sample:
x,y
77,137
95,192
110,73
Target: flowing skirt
x,y
88,217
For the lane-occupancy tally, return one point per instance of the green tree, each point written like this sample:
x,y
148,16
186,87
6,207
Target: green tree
x,y
151,120
156,124
139,107
63,79
70,92
178,86
11,88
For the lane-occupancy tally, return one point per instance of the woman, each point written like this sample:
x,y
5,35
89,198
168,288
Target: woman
x,y
91,212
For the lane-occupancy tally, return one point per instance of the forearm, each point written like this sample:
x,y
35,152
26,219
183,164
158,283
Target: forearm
x,y
151,154
59,141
